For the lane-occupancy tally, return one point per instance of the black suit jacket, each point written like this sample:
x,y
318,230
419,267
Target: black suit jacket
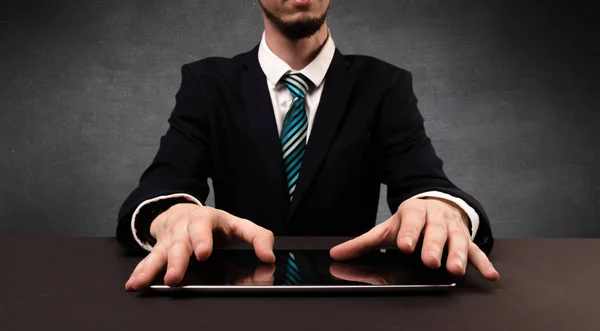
x,y
367,131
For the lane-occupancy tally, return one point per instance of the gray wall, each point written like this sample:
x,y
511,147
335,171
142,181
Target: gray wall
x,y
509,90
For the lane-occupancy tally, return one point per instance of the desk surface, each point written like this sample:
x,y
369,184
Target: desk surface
x,y
77,284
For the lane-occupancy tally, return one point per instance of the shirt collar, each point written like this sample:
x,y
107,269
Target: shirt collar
x,y
274,67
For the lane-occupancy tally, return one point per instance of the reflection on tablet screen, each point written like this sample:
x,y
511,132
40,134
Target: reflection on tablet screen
x,y
310,268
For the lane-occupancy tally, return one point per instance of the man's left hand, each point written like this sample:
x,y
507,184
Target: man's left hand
x,y
440,221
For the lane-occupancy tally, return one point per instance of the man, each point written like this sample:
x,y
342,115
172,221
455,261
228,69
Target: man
x,y
297,139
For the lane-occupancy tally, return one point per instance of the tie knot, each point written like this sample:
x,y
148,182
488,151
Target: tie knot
x,y
297,84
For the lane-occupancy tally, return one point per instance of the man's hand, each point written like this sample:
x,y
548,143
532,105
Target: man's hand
x,y
441,222
188,228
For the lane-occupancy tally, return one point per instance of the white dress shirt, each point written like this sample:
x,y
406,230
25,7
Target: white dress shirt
x,y
274,68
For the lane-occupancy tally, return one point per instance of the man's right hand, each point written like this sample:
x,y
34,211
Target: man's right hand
x,y
188,228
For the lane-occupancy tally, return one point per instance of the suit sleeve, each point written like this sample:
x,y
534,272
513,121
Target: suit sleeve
x,y
180,167
410,165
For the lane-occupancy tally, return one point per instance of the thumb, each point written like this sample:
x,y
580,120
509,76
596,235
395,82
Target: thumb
x,y
381,234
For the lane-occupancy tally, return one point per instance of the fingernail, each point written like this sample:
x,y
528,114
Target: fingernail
x,y
198,251
408,241
433,252
200,248
459,263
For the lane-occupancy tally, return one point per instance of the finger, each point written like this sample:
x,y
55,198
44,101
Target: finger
x,y
412,220
153,264
201,236
482,263
346,272
382,234
260,238
178,258
436,233
458,249
263,245
136,271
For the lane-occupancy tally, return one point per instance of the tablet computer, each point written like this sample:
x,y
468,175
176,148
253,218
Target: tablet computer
x,y
239,270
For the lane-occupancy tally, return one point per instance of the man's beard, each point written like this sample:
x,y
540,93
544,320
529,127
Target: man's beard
x,y
299,29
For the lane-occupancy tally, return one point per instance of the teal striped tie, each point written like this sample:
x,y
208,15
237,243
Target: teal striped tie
x,y
293,132
292,273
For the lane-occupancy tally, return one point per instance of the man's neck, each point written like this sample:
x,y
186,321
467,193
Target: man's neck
x,y
296,53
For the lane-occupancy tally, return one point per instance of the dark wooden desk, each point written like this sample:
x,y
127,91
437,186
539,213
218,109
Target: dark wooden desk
x,y
77,284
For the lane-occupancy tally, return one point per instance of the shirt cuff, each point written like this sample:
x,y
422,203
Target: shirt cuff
x,y
473,216
142,244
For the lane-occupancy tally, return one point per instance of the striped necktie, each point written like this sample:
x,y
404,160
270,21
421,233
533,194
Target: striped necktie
x,y
293,132
292,273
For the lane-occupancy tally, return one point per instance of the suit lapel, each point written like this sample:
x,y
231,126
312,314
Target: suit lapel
x,y
263,128
338,85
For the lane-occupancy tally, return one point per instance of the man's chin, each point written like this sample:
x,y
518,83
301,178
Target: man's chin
x,y
297,24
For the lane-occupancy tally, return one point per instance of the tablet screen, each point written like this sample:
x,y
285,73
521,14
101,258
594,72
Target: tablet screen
x,y
309,268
